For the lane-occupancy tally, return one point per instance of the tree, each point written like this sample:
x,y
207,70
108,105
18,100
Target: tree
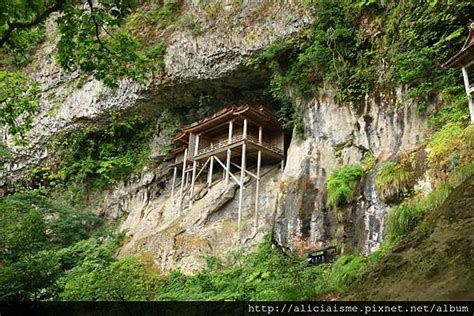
x,y
92,40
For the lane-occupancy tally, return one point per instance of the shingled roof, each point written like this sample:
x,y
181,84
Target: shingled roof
x,y
256,113
466,54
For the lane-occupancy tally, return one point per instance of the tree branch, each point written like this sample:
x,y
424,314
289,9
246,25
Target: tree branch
x,y
40,17
97,27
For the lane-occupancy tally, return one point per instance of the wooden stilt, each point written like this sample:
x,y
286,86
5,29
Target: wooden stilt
x,y
229,152
242,176
257,184
241,192
193,178
181,197
173,183
283,150
257,188
211,167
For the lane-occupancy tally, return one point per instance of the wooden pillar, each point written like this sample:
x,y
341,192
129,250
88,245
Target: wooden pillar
x,y
283,150
193,179
244,133
211,168
468,92
241,193
242,177
181,197
173,183
229,152
257,185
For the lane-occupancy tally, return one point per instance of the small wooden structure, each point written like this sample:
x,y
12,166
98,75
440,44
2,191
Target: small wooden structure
x,y
321,256
233,139
465,60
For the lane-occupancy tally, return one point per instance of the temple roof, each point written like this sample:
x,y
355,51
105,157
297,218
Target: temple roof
x,y
259,114
466,54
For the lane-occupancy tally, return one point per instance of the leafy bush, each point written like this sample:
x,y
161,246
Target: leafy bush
x,y
33,233
266,274
392,179
341,185
119,280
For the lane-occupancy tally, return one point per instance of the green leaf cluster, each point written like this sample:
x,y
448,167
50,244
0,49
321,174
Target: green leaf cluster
x,y
342,184
98,157
94,42
19,102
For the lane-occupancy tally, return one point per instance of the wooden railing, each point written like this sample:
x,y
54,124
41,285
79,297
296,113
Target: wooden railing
x,y
236,138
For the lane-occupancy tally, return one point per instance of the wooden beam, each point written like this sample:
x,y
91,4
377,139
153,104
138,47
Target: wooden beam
x,y
248,172
211,169
181,197
244,133
193,178
257,189
283,150
225,169
229,140
241,193
202,168
173,183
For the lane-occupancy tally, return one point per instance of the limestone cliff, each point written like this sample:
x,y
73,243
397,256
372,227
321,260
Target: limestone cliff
x,y
292,204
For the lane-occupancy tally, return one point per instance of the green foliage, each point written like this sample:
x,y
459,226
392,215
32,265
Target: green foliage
x,y
264,275
97,158
392,179
108,58
404,217
5,153
341,185
368,46
345,270
450,148
18,102
33,233
118,280
92,37
21,52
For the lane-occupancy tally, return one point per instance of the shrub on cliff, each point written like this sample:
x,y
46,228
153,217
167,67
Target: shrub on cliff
x,y
341,185
393,180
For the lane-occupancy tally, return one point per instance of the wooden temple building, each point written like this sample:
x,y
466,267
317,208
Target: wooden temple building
x,y
235,140
464,59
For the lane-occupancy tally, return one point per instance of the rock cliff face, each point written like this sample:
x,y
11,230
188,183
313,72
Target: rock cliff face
x,y
213,63
292,203
336,136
